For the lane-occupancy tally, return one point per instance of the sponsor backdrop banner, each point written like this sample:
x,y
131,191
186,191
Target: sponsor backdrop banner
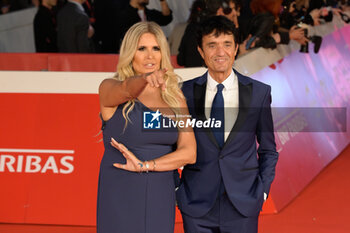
x,y
49,156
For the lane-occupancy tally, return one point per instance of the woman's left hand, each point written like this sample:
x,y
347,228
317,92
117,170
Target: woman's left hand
x,y
132,164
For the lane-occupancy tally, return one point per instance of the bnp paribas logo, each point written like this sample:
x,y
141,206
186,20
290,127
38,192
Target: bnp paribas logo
x,y
151,120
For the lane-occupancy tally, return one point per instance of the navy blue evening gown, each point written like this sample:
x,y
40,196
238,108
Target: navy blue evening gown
x,y
131,202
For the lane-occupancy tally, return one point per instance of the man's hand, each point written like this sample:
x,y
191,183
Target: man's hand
x,y
297,34
315,14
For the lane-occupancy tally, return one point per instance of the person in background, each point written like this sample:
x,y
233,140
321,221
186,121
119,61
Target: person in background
x,y
89,8
179,30
223,192
45,31
107,24
137,11
136,192
15,5
264,30
73,29
4,6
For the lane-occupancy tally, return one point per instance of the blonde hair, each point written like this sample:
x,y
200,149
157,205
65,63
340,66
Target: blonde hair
x,y
172,94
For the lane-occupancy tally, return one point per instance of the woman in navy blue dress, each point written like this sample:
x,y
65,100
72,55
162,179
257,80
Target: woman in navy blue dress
x,y
136,191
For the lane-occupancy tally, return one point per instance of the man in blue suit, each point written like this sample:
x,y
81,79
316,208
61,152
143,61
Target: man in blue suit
x,y
226,188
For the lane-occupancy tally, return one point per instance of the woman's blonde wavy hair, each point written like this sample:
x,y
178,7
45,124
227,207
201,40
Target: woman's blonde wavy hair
x,y
172,94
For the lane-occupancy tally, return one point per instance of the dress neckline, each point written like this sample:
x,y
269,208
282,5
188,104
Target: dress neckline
x,y
152,110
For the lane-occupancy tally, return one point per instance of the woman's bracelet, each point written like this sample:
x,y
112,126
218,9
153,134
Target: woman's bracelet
x,y
147,166
141,167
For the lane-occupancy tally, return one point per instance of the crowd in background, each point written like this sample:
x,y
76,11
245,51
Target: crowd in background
x,y
7,6
98,26
262,23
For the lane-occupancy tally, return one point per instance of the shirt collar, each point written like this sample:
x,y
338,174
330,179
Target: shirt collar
x,y
78,5
228,83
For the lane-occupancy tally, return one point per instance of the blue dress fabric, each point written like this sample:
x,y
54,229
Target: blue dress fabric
x,y
131,202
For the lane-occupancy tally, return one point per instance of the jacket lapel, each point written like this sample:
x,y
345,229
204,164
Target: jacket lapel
x,y
245,96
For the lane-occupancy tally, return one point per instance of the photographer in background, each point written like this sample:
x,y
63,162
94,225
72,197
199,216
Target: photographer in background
x,y
322,11
299,15
292,19
344,5
263,30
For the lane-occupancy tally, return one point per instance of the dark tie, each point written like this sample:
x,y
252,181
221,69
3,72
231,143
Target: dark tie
x,y
218,112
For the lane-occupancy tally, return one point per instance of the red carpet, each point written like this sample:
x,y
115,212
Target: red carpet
x,y
323,207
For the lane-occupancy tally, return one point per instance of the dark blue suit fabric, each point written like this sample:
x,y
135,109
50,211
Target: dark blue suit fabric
x,y
246,171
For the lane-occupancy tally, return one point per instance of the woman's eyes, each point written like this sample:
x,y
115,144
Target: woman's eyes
x,y
142,48
154,48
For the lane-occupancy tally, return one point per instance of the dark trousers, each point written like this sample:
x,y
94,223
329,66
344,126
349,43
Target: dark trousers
x,y
222,218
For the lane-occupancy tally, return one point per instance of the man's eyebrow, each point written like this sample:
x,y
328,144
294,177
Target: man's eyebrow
x,y
211,43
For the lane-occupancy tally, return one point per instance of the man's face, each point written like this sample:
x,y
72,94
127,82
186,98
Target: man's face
x,y
218,52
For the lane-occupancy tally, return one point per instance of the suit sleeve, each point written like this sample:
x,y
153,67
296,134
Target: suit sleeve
x,y
267,153
44,34
39,33
82,40
158,17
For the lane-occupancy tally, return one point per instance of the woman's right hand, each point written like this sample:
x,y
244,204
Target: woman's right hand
x,y
156,78
113,92
132,164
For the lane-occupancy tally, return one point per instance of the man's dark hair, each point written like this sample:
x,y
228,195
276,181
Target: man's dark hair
x,y
217,24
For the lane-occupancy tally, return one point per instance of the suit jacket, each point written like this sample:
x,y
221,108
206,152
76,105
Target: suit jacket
x,y
247,171
72,30
129,16
45,34
107,23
